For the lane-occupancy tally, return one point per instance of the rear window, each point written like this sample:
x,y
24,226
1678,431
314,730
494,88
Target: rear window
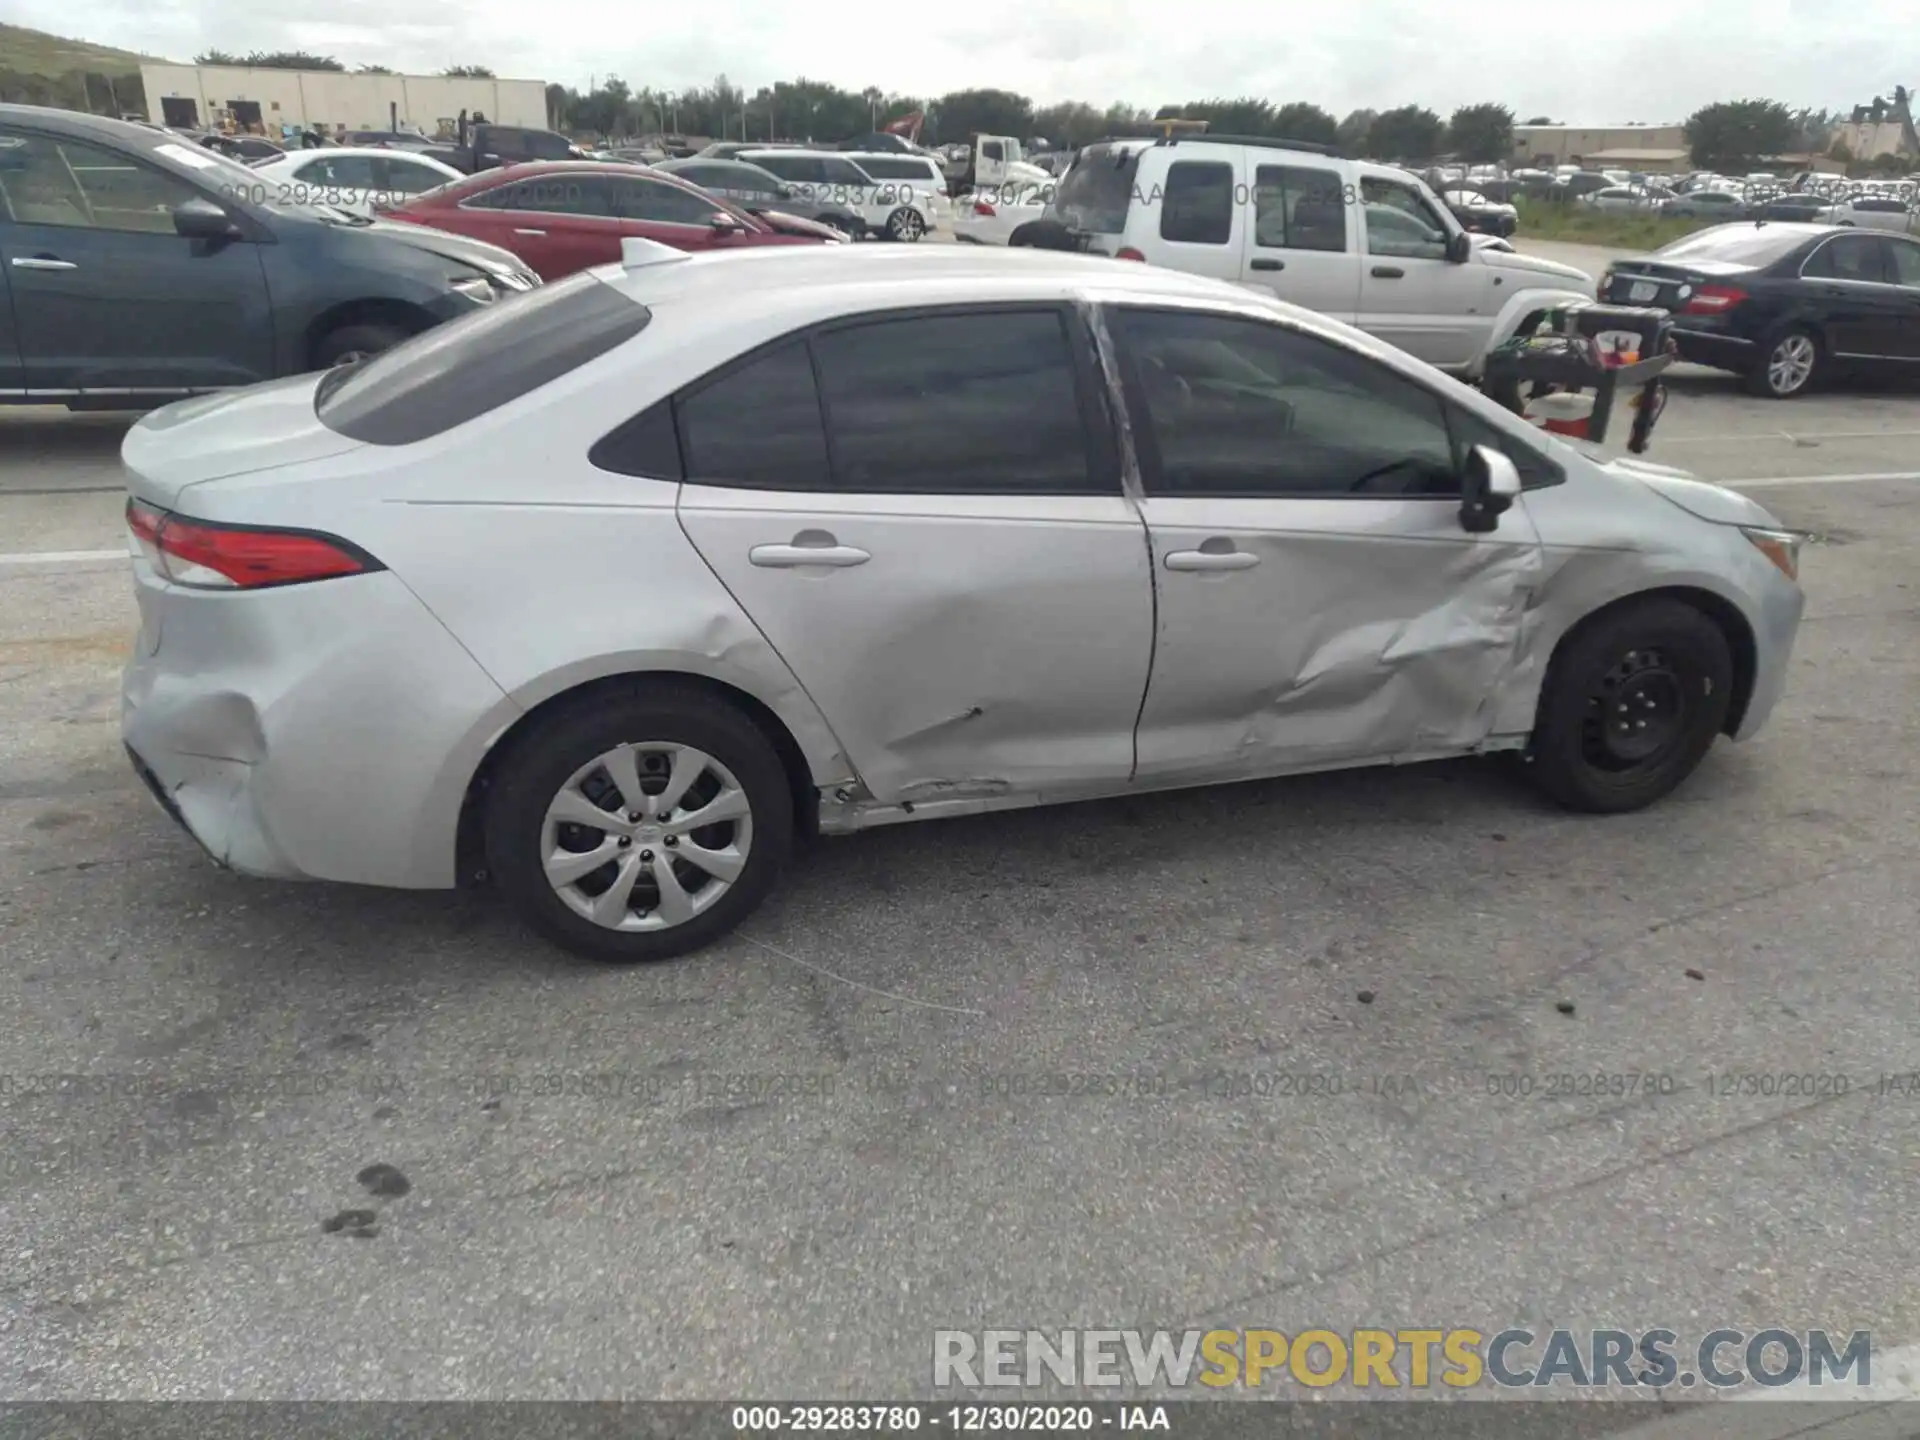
x,y
1096,192
1738,244
449,375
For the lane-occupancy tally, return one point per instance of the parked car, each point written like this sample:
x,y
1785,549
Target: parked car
x,y
140,268
492,147
354,180
1367,244
758,191
1475,210
1569,185
831,184
914,186
387,139
242,147
991,217
614,591
566,215
1707,205
1784,305
1874,212
1626,198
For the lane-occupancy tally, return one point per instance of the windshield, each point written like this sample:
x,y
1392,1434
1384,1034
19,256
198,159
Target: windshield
x,y
1743,245
237,181
1096,192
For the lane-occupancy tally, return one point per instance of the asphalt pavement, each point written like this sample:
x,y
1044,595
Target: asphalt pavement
x,y
1278,1055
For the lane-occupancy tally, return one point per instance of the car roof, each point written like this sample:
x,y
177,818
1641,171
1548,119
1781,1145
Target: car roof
x,y
885,155
375,152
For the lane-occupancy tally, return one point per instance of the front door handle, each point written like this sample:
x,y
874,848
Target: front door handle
x,y
1388,272
788,557
43,262
1264,264
519,231
1211,560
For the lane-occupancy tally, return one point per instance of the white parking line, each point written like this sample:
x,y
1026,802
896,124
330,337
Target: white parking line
x,y
1772,436
62,557
1766,480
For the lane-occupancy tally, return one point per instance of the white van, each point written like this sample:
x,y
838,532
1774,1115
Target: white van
x,y
829,180
1364,243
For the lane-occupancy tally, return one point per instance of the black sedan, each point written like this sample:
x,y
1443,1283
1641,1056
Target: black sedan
x,y
1783,305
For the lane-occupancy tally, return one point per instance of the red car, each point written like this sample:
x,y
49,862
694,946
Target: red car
x,y
566,215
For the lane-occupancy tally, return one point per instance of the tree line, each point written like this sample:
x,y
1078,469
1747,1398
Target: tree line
x,y
306,60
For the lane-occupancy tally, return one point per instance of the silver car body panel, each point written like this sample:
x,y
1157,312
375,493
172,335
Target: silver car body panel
x,y
994,652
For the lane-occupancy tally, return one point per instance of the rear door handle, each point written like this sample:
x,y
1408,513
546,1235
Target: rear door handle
x,y
1388,272
43,262
1269,265
1211,560
788,557
518,231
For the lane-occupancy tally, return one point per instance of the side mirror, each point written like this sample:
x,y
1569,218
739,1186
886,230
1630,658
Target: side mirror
x,y
724,224
203,220
1459,247
1487,489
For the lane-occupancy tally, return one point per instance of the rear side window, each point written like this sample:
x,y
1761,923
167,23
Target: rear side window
x,y
1096,191
801,169
954,403
894,169
1847,257
454,372
758,427
1196,205
1299,208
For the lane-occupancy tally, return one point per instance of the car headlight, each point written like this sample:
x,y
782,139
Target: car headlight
x,y
1782,547
476,288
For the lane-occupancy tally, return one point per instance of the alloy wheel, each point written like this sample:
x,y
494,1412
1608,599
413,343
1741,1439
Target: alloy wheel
x,y
1790,364
908,226
646,836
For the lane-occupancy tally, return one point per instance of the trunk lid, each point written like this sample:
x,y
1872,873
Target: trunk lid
x,y
1665,285
231,432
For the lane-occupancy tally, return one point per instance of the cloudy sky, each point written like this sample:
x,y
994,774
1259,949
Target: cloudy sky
x,y
1582,64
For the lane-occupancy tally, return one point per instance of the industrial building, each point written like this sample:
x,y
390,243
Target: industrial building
x,y
1653,149
276,102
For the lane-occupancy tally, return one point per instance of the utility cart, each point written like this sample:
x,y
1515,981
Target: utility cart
x,y
1569,369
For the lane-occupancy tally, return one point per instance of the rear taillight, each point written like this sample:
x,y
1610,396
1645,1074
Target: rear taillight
x,y
206,556
1127,252
1713,300
981,207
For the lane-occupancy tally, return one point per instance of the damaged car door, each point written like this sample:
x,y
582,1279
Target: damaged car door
x,y
1320,602
921,513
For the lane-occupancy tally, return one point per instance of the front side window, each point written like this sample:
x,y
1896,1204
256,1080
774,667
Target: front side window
x,y
1242,408
63,182
954,404
1905,257
343,172
665,204
457,371
1196,203
797,169
1299,208
843,172
1401,222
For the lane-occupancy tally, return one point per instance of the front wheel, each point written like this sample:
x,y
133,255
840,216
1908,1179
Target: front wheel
x,y
642,826
1631,705
906,225
349,343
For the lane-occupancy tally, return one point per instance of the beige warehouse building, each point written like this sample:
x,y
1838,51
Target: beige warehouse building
x,y
1653,148
194,96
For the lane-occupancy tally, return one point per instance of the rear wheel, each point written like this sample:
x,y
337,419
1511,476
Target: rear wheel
x,y
1631,705
1787,364
844,224
905,224
348,343
642,826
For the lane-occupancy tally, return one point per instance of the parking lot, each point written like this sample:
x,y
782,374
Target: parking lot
x,y
1286,1054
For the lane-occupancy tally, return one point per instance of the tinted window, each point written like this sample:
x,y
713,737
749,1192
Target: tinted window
x,y
1400,221
1196,204
801,169
841,172
407,178
757,427
1745,245
1847,257
347,172
60,182
1296,208
1905,258
992,151
1096,190
1879,207
560,194
648,444
446,376
669,204
1237,407
954,403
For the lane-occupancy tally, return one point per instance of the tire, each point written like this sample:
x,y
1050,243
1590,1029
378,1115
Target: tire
x,y
1660,654
353,342
906,225
562,762
844,224
1773,369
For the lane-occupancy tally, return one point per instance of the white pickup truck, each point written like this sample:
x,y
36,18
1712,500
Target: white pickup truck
x,y
993,163
1364,243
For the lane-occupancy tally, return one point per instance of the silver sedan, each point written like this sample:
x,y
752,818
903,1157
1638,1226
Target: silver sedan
x,y
616,590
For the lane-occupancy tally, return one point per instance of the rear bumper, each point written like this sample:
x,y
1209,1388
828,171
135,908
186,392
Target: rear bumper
x,y
1721,350
322,732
